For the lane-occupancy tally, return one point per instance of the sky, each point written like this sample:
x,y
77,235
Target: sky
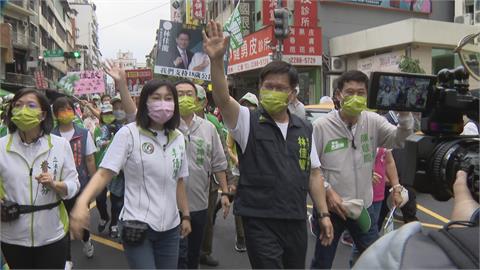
x,y
137,33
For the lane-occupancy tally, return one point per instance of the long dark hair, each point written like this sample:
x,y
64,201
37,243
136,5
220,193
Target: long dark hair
x,y
47,124
143,120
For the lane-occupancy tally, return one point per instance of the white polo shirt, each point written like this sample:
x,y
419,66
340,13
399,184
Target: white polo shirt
x,y
152,164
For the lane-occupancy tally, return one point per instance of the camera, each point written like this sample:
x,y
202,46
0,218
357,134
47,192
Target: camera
x,y
435,156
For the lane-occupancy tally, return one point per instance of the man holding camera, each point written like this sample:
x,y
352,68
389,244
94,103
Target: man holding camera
x,y
346,141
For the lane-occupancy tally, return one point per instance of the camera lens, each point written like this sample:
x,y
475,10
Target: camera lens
x,y
447,158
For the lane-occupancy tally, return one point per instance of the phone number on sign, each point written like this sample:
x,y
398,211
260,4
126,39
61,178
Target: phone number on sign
x,y
302,60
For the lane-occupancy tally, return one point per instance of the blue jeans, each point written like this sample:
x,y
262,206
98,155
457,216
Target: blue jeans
x,y
375,213
323,256
190,246
159,250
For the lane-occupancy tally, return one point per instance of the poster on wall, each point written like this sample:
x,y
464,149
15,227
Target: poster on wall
x,y
180,51
423,6
387,62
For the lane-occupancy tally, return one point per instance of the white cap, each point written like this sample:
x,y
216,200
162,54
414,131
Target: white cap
x,y
201,94
95,96
106,108
250,98
326,99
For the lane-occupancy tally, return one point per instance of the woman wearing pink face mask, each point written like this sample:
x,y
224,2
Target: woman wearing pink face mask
x,y
151,152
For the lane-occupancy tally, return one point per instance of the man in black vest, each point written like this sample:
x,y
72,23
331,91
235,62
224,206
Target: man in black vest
x,y
277,163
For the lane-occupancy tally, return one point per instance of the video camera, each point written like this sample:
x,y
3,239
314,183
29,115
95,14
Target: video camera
x,y
435,157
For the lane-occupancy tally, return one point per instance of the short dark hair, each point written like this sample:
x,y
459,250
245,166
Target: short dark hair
x,y
186,81
62,103
185,32
280,67
352,75
104,96
143,120
46,125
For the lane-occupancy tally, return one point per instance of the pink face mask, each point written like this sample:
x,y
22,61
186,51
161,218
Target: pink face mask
x,y
160,111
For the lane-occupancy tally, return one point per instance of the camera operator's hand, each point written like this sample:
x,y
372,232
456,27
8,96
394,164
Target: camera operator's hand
x,y
464,205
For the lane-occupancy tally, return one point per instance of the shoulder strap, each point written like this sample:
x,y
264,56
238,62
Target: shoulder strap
x,y
460,244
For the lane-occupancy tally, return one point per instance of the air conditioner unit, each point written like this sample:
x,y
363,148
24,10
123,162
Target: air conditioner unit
x,y
337,64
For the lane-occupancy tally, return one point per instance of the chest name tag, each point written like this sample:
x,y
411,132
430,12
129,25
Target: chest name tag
x,y
335,145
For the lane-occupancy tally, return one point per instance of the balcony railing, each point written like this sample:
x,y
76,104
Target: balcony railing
x,y
20,38
20,79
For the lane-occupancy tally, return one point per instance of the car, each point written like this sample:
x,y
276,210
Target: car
x,y
315,111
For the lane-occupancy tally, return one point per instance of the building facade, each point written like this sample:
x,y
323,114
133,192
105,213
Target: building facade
x,y
86,24
35,27
126,60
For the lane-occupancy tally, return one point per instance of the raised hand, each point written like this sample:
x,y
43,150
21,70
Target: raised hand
x,y
215,44
115,71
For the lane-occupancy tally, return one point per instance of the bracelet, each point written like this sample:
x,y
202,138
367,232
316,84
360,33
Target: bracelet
x,y
186,218
225,194
323,215
395,186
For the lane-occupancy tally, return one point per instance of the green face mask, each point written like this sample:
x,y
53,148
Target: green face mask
x,y
354,105
273,101
26,118
108,119
187,105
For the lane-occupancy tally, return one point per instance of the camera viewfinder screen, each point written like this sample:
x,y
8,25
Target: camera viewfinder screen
x,y
402,93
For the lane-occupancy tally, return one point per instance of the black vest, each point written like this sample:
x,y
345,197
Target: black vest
x,y
274,172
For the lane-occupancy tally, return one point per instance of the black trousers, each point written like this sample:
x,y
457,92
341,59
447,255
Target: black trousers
x,y
189,252
51,256
275,243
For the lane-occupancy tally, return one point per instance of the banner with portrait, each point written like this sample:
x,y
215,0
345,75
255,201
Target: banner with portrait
x,y
180,51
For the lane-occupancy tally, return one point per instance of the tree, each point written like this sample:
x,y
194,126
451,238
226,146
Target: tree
x,y
410,65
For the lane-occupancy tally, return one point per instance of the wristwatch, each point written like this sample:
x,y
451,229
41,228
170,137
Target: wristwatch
x,y
186,218
323,215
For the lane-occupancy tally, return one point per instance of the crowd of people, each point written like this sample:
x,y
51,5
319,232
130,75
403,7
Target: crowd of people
x,y
168,166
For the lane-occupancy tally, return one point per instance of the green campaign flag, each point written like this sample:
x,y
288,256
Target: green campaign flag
x,y
234,27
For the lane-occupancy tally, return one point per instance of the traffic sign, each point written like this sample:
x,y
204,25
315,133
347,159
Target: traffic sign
x,y
53,53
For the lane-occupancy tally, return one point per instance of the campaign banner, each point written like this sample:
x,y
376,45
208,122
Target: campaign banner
x,y
387,62
136,79
180,51
198,9
86,82
305,13
254,52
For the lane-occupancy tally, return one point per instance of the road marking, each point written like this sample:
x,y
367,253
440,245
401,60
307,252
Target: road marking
x,y
433,214
106,242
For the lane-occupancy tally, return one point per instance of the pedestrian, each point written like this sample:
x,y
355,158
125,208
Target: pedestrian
x,y
37,171
295,106
206,157
277,164
103,137
346,141
153,155
83,149
206,256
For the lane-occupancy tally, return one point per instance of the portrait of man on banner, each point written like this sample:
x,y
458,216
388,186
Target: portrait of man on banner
x,y
180,51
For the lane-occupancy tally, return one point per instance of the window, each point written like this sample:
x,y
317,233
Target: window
x,y
31,4
60,31
33,33
443,58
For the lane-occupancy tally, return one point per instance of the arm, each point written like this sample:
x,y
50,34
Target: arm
x,y
90,107
182,202
390,136
120,77
215,46
317,193
225,201
80,216
90,159
392,174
